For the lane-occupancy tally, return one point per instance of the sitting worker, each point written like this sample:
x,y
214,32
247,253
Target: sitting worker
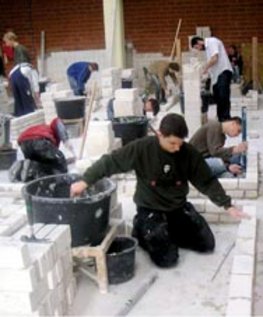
x,y
40,146
236,61
156,73
150,108
78,74
164,164
210,139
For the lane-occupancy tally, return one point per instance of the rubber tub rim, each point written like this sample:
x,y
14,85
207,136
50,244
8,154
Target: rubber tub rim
x,y
133,247
91,199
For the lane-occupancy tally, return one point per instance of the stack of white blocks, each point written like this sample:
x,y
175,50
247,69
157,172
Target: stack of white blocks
x,y
19,124
250,101
131,74
192,99
37,278
110,81
240,295
5,102
127,103
53,91
100,139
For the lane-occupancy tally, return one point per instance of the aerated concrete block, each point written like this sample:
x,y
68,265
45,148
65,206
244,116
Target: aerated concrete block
x,y
14,254
243,264
240,286
239,307
129,94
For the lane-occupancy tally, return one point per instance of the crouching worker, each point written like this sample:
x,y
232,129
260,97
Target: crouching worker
x,y
210,139
164,164
40,146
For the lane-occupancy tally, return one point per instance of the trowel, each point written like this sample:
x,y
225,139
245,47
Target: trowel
x,y
30,217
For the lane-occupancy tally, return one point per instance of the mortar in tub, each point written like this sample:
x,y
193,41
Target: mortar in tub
x,y
88,215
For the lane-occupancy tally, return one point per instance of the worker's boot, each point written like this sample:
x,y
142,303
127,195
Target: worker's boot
x,y
204,118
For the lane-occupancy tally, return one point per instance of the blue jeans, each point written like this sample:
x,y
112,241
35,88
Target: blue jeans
x,y
78,91
218,167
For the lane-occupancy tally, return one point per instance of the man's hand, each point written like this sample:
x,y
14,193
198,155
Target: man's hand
x,y
237,213
235,169
76,189
240,148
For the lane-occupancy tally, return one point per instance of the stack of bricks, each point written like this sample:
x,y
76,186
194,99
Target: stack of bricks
x,y
53,91
5,102
127,103
37,277
250,101
19,124
240,295
130,74
192,99
110,81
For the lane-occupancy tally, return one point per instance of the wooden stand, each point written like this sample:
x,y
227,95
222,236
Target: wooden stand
x,y
82,253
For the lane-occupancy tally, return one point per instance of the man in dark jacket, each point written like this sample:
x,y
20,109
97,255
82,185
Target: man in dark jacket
x,y
78,74
163,165
40,146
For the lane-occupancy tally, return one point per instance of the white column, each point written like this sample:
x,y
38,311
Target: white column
x,y
114,32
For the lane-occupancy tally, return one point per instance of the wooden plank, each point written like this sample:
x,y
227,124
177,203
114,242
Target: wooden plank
x,y
255,62
175,39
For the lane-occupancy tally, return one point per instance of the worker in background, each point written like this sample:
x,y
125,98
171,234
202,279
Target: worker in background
x,y
164,164
220,70
156,74
25,87
40,146
78,74
210,139
21,54
236,61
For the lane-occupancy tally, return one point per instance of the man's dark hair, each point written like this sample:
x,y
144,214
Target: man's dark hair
x,y
95,66
155,105
237,120
174,66
195,40
174,124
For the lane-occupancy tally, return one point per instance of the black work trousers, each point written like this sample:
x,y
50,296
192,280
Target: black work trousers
x,y
161,233
221,92
46,156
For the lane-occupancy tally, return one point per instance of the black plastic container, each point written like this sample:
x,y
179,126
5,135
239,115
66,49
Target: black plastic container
x,y
70,108
126,83
130,128
88,215
42,85
121,259
7,158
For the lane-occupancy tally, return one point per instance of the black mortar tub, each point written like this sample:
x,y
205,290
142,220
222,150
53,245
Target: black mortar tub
x,y
88,215
130,128
121,259
7,158
71,107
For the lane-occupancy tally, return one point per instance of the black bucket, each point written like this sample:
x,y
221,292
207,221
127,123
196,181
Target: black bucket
x,y
71,107
121,259
88,215
7,158
43,85
130,128
126,83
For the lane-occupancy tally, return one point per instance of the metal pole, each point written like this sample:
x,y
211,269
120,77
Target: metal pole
x,y
244,135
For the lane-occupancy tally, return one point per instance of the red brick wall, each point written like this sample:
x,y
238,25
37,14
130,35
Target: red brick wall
x,y
149,24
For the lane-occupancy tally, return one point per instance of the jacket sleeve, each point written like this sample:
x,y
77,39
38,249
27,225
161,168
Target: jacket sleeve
x,y
119,161
203,180
216,148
